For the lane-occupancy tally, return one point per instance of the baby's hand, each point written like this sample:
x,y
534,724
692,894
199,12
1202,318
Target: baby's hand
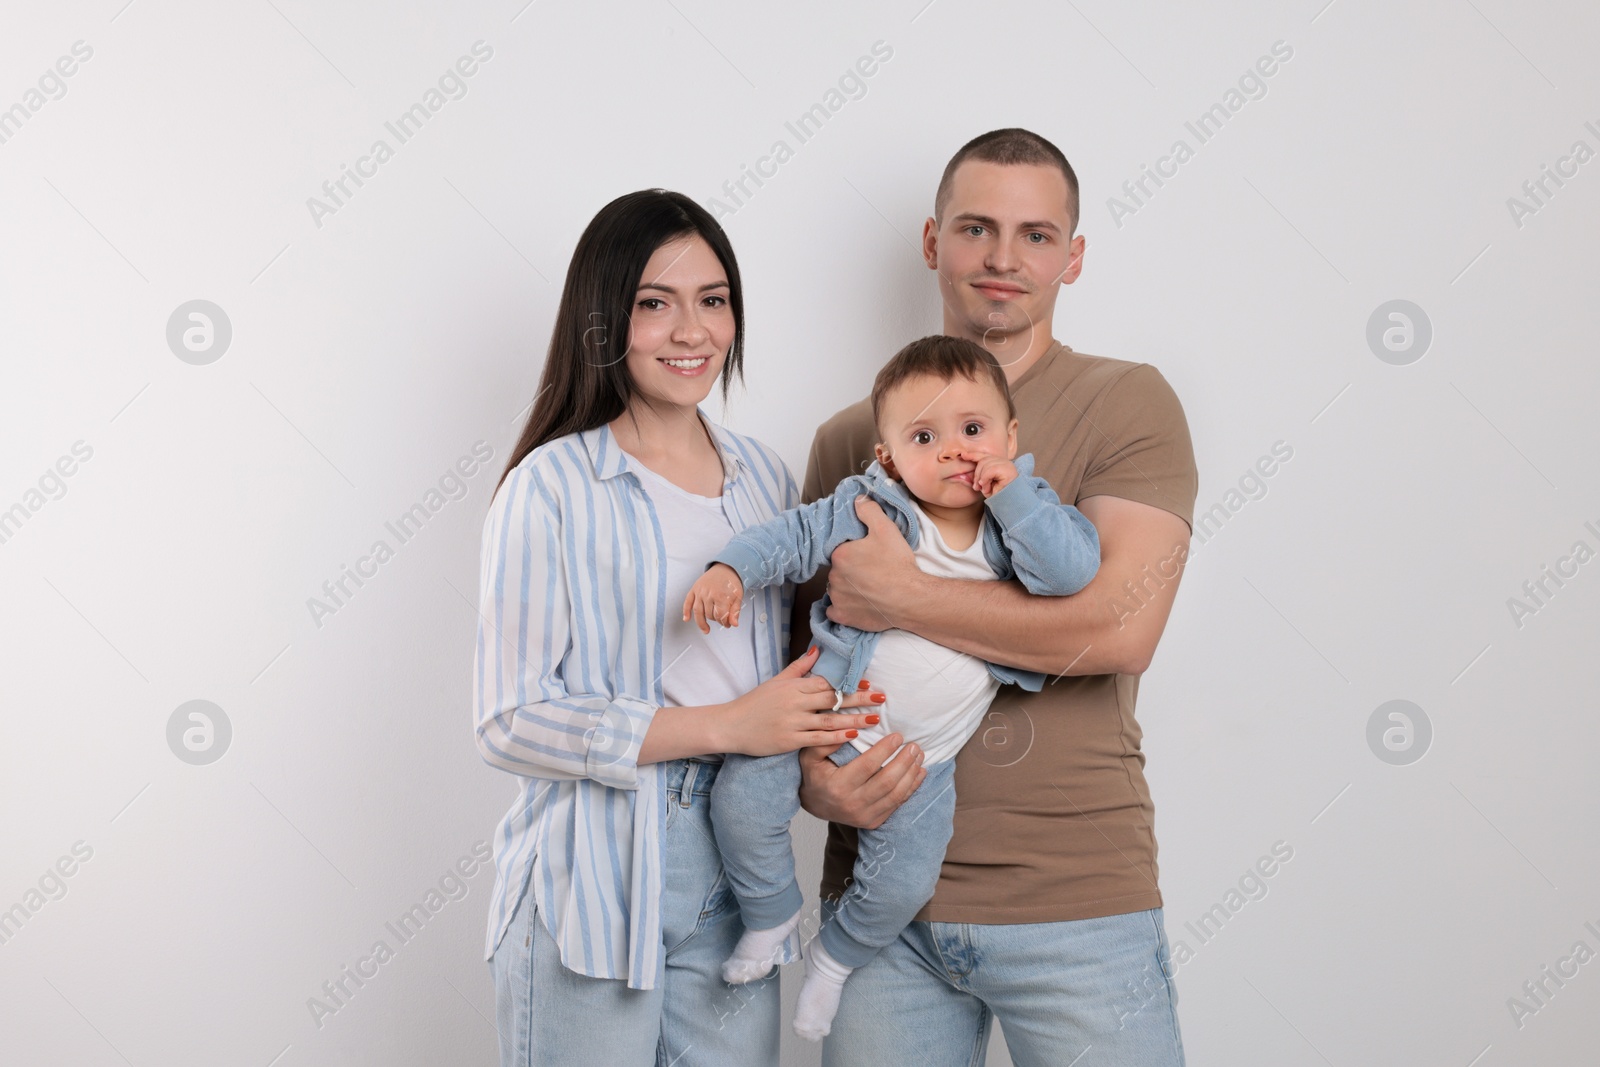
x,y
717,594
992,473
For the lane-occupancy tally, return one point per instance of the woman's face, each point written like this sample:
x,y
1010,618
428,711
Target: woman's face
x,y
681,324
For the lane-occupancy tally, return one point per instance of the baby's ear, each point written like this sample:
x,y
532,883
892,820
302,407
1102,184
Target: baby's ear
x,y
886,460
1011,440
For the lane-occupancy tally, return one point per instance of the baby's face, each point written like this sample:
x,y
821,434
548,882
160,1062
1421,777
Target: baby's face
x,y
929,424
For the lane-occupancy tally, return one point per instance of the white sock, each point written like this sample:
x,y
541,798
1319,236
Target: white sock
x,y
819,996
757,952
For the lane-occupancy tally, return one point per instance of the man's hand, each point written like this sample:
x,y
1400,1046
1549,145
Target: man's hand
x,y
869,578
717,594
992,473
865,791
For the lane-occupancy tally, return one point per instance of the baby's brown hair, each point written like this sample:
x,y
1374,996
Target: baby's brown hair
x,y
940,356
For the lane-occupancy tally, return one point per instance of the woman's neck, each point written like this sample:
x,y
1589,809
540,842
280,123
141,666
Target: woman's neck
x,y
673,442
646,429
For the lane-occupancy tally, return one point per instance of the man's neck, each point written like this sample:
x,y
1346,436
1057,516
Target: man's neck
x,y
1016,352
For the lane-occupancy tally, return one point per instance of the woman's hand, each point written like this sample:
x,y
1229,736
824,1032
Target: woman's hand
x,y
792,710
717,594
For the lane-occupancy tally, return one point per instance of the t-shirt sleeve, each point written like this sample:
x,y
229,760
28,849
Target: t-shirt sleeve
x,y
815,480
842,447
1145,452
835,455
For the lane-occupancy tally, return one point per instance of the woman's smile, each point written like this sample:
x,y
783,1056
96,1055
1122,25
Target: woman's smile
x,y
688,366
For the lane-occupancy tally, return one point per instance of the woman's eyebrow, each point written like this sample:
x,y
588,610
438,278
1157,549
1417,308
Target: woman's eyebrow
x,y
669,289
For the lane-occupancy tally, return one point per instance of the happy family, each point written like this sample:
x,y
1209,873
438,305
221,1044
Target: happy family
x,y
928,644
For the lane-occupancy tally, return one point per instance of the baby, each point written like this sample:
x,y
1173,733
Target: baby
x,y
945,475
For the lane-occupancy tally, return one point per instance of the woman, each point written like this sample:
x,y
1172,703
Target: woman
x,y
611,914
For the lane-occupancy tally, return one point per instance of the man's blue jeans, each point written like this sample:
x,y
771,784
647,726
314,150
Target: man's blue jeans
x,y
897,865
1083,992
549,1016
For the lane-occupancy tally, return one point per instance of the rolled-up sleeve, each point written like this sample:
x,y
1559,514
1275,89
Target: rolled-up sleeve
x,y
526,720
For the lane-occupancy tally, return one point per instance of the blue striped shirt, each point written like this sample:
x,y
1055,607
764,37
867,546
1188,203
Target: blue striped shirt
x,y
568,675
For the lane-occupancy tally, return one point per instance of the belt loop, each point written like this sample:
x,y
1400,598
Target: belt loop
x,y
686,791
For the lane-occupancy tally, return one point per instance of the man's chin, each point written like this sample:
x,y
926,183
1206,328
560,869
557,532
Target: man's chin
x,y
1004,315
1005,334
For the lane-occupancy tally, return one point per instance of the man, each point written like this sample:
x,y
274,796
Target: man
x,y
1047,913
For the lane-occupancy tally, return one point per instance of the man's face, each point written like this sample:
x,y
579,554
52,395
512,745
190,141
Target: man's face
x,y
1003,250
931,430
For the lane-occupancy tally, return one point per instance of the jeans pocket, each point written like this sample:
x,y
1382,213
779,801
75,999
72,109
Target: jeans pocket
x,y
718,900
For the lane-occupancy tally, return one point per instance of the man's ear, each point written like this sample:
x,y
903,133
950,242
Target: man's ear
x,y
930,243
886,460
1075,250
1011,440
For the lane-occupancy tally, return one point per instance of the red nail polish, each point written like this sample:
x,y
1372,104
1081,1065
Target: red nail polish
x,y
872,720
879,698
863,684
850,733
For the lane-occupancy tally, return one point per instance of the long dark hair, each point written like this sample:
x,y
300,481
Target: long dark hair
x,y
585,382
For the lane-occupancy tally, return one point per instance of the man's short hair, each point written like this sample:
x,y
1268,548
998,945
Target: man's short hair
x,y
1009,147
943,357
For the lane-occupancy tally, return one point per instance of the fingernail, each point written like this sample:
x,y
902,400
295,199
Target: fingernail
x,y
872,720
850,733
863,684
879,698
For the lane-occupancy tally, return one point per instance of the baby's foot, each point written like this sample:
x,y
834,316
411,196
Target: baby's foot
x,y
756,952
819,996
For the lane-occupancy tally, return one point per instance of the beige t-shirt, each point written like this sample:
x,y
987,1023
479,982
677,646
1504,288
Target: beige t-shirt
x,y
1053,816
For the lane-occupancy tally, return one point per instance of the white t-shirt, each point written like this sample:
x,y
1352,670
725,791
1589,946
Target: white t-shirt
x,y
937,696
700,668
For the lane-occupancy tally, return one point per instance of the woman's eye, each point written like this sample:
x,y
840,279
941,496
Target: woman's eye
x,y
973,429
716,301
922,437
650,303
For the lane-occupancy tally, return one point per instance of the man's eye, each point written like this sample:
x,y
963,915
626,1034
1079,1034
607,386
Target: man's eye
x,y
922,437
974,231
1041,237
973,429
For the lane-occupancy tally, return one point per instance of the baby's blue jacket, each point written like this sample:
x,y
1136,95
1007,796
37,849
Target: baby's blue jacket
x,y
1028,533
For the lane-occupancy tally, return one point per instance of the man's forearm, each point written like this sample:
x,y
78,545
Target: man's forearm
x,y
1111,626
1002,623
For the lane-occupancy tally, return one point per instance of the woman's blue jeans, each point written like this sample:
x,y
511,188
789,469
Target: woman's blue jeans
x,y
549,1016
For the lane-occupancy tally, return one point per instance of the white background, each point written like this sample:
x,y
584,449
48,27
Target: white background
x,y
371,352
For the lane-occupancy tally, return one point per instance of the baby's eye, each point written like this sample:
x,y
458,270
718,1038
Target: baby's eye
x,y
922,437
973,429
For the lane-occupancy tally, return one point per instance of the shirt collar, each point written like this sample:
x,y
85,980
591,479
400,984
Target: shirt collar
x,y
610,460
